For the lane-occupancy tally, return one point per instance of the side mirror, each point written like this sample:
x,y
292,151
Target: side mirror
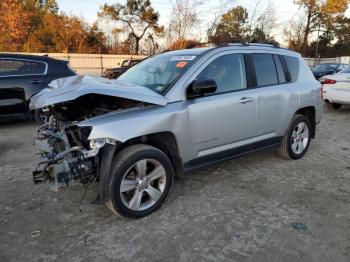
x,y
200,87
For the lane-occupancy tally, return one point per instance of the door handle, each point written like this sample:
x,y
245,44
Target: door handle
x,y
35,82
245,100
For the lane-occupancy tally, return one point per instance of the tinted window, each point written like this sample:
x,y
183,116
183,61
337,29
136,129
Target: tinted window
x,y
265,69
228,72
21,67
293,67
346,70
326,67
280,71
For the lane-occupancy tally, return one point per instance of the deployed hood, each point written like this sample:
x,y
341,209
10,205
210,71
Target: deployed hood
x,y
70,88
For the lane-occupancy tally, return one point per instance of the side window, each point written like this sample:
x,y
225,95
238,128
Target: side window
x,y
228,72
280,72
265,69
293,67
10,67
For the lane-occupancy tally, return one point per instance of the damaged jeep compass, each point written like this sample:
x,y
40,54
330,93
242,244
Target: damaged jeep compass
x,y
171,113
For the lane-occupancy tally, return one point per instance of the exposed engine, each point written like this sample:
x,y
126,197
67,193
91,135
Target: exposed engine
x,y
69,155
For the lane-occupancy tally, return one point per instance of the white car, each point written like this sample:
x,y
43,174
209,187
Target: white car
x,y
336,89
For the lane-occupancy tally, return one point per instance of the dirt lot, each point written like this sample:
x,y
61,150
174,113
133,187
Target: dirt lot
x,y
240,210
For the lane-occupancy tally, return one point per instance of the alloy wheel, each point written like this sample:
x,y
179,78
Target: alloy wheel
x,y
143,184
300,138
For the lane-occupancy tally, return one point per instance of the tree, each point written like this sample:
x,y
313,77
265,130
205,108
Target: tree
x,y
317,12
293,33
137,16
184,17
14,23
183,44
233,26
342,34
262,20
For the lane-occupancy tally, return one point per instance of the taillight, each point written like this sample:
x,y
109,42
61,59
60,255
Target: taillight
x,y
327,81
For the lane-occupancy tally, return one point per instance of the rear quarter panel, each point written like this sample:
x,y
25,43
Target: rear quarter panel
x,y
309,90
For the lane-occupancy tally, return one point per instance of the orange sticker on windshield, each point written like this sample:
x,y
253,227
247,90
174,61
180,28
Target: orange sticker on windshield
x,y
181,64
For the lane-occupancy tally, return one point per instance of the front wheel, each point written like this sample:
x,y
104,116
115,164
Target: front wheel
x,y
140,181
297,138
41,116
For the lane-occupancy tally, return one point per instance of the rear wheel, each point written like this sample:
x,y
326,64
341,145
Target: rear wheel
x,y
141,179
334,105
297,138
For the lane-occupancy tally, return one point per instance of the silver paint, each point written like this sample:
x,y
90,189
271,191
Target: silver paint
x,y
204,125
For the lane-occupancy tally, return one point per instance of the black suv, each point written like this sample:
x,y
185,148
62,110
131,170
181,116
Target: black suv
x,y
22,76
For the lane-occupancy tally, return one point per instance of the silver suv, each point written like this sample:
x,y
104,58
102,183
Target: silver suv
x,y
171,113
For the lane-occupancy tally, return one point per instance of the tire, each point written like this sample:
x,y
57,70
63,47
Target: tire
x,y
127,170
291,138
334,106
41,117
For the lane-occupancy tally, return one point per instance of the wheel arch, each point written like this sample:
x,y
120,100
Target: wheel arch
x,y
164,141
310,113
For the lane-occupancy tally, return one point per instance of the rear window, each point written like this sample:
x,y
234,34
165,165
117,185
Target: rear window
x,y
265,69
293,67
10,67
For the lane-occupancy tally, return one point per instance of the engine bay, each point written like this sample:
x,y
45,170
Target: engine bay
x,y
68,154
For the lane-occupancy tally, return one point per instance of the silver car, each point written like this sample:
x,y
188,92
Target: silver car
x,y
171,113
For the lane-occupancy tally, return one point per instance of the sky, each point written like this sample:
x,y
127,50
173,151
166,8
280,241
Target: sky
x,y
87,9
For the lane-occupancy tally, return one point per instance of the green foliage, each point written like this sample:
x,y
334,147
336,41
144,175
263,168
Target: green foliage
x,y
234,26
319,14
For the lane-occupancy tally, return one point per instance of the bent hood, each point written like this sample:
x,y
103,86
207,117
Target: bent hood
x,y
70,88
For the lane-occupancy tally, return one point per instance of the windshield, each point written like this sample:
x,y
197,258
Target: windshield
x,y
158,72
325,67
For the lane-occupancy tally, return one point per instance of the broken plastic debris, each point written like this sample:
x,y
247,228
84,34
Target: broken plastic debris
x,y
299,226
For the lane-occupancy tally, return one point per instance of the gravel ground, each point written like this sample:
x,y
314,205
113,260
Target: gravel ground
x,y
240,210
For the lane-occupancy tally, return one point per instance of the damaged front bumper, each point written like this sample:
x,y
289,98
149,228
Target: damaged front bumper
x,y
68,156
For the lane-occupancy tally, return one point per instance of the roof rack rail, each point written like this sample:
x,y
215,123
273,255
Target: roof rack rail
x,y
245,43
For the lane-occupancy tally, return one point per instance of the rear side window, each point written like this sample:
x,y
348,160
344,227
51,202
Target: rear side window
x,y
293,67
265,69
10,67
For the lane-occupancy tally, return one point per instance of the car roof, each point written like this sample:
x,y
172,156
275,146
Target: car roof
x,y
30,57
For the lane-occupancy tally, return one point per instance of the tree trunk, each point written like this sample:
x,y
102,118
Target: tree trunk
x,y
137,45
306,33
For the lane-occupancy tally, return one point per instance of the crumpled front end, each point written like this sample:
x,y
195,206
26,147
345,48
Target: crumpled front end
x,y
69,157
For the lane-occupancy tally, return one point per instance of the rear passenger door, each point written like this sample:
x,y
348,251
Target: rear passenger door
x,y
19,80
274,94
